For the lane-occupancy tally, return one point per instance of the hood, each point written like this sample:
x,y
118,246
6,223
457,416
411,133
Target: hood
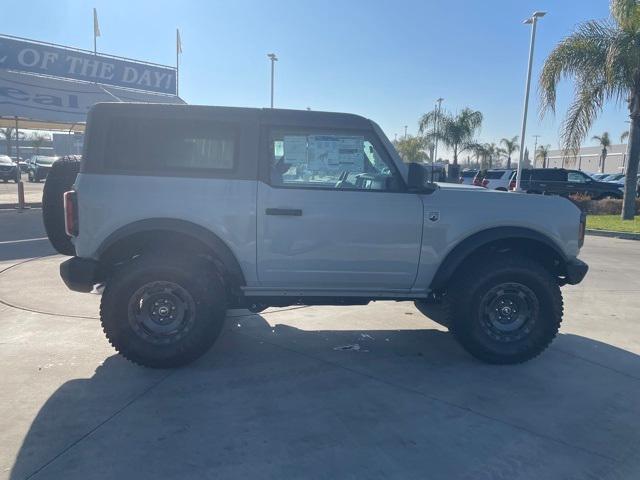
x,y
461,186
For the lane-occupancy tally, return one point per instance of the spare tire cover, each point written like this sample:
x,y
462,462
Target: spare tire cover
x,y
59,180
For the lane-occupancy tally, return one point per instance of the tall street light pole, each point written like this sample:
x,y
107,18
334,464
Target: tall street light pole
x,y
274,59
533,21
405,131
436,130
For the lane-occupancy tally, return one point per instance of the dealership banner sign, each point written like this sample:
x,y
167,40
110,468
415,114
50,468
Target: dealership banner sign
x,y
43,59
47,99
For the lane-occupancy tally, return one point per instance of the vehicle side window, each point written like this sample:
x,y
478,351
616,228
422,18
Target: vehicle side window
x,y
329,160
577,177
171,145
551,175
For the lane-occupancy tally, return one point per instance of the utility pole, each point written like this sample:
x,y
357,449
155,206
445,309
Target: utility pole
x,y
405,132
273,58
535,147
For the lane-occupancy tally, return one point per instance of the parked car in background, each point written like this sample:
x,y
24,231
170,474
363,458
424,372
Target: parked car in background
x,y
612,178
494,179
8,169
467,176
39,166
598,176
559,181
620,184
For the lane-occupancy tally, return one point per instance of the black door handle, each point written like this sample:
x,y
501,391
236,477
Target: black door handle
x,y
293,212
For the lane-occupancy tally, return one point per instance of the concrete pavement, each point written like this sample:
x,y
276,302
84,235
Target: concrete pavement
x,y
278,396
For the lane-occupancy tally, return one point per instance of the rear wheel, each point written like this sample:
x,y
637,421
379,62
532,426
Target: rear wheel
x,y
504,310
161,311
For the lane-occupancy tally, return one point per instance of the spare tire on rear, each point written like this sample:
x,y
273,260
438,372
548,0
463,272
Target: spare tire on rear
x,y
59,180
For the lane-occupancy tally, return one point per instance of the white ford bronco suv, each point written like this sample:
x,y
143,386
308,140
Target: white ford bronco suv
x,y
182,212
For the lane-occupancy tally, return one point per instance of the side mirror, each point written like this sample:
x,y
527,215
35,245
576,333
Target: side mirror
x,y
417,177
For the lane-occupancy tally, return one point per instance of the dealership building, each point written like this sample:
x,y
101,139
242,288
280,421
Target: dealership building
x,y
588,159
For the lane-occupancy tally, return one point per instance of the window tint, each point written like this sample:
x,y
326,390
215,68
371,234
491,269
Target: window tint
x,y
549,175
311,159
468,174
494,174
164,145
577,177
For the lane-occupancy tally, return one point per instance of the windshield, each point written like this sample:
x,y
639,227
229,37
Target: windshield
x,y
5,160
46,160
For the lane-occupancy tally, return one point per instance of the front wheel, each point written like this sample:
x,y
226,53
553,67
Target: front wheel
x,y
505,310
163,312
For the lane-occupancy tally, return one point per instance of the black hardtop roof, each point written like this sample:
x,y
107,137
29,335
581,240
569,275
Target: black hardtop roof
x,y
275,116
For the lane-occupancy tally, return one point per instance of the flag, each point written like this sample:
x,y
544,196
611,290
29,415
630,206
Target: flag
x,y
96,27
178,41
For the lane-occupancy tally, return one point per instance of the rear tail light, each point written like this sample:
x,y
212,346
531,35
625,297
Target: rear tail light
x,y
477,182
71,213
512,185
485,182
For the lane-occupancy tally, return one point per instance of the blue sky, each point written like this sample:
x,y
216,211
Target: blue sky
x,y
387,60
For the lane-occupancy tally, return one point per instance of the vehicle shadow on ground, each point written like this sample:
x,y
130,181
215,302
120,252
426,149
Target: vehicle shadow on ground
x,y
279,402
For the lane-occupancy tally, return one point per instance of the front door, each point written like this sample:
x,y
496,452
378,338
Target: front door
x,y
333,214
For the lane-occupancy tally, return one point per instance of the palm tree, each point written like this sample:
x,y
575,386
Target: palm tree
x,y
480,153
454,131
542,152
603,58
605,142
413,149
624,136
7,133
491,150
510,146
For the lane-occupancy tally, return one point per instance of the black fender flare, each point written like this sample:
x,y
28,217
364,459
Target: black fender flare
x,y
198,232
466,247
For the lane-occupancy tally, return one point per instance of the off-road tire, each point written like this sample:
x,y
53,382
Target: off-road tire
x,y
61,178
469,288
204,286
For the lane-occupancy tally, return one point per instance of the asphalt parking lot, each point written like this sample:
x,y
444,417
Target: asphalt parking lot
x,y
315,392
9,192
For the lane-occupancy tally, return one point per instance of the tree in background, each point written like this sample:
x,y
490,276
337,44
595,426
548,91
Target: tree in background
x,y
526,161
492,151
37,140
510,146
605,143
603,58
454,131
413,149
624,136
542,153
7,135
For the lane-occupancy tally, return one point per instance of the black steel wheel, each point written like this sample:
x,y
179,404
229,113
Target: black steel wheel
x,y
163,311
504,309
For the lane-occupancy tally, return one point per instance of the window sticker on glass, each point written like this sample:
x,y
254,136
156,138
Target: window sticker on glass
x,y
295,150
332,152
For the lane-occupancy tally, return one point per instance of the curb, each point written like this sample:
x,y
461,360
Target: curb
x,y
609,233
14,206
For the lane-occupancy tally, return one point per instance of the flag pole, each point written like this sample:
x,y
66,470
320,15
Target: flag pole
x,y
178,50
96,31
